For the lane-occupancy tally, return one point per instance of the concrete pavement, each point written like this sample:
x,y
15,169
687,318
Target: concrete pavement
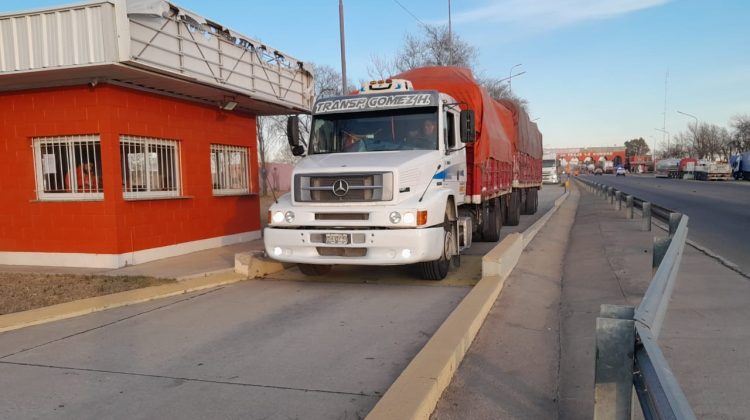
x,y
534,356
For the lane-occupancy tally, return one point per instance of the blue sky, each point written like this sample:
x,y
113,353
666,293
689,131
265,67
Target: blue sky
x,y
595,69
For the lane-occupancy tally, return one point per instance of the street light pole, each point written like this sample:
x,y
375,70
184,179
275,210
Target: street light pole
x,y
695,133
343,47
450,36
510,78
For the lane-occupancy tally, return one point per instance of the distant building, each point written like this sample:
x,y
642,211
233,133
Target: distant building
x,y
580,157
129,132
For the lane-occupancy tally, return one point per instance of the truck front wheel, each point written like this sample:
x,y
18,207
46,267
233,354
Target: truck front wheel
x,y
314,269
438,269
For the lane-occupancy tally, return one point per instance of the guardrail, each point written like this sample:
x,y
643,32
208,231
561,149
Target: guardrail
x,y
628,355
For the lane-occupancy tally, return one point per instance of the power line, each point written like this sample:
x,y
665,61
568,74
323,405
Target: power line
x,y
410,13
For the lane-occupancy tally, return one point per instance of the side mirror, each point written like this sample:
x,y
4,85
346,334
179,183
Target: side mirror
x,y
468,132
292,131
298,150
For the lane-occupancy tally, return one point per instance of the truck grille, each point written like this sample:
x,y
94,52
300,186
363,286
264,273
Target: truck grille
x,y
343,188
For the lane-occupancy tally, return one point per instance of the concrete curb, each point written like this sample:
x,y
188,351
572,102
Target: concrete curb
x,y
76,308
416,392
256,264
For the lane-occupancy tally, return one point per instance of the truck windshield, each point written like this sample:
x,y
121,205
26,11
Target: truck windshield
x,y
548,163
413,129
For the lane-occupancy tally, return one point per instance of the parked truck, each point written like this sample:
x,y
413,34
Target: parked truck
x,y
741,166
667,168
711,171
409,170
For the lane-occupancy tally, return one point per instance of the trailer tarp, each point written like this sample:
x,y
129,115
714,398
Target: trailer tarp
x,y
492,139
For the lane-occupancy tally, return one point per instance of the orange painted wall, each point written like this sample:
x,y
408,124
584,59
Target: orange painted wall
x,y
116,226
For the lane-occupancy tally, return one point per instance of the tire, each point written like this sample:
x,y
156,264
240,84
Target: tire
x,y
531,202
438,269
493,223
513,209
314,269
526,201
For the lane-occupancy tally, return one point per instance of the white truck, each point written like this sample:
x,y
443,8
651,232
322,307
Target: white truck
x,y
706,170
551,169
386,181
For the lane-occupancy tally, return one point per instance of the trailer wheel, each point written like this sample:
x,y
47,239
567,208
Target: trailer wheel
x,y
493,223
314,269
438,269
532,201
513,210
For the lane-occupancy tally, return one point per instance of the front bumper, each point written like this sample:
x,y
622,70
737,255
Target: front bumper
x,y
382,247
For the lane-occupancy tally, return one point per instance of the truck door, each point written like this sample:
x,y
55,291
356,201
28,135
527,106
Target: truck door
x,y
454,158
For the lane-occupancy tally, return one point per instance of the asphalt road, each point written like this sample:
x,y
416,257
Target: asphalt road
x,y
284,347
719,211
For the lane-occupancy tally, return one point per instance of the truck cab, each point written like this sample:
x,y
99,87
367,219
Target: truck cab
x,y
381,182
551,169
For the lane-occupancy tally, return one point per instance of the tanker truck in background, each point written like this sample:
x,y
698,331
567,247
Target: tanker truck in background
x,y
667,168
409,170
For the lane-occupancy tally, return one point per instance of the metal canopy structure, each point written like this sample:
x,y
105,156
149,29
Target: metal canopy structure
x,y
152,45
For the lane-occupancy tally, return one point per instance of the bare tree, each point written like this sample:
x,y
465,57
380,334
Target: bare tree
x,y
500,90
435,47
741,132
381,67
272,140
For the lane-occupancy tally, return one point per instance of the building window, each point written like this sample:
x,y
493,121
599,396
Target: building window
x,y
229,170
150,167
68,168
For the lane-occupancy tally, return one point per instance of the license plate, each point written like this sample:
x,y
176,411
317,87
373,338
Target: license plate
x,y
337,238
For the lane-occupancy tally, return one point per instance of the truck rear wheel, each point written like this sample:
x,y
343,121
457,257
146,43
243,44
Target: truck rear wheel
x,y
438,269
513,209
532,201
314,269
493,223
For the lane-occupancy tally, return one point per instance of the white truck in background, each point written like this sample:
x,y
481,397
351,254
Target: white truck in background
x,y
551,169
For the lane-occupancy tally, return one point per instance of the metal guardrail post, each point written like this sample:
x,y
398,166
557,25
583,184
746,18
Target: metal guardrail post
x,y
646,214
611,194
629,206
618,201
613,374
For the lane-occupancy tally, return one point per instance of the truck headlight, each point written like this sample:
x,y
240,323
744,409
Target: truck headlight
x,y
395,217
289,216
409,218
278,217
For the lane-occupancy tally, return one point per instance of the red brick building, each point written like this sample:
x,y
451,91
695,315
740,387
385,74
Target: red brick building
x,y
117,157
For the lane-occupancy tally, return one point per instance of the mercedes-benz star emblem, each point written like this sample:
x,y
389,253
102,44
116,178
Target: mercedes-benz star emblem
x,y
340,188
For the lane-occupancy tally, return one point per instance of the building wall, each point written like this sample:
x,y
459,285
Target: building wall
x,y
279,175
116,225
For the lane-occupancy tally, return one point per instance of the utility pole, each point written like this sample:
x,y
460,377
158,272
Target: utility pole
x,y
695,133
664,123
450,36
343,47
